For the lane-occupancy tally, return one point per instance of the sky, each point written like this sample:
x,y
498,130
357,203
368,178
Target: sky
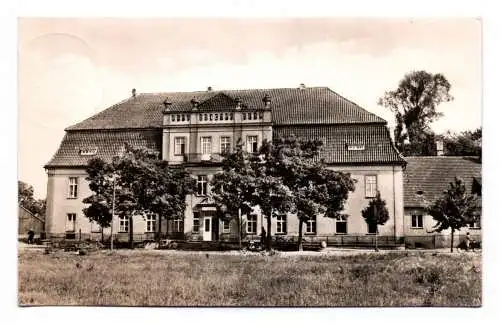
x,y
70,69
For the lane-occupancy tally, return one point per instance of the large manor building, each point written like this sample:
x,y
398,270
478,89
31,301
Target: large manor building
x,y
194,128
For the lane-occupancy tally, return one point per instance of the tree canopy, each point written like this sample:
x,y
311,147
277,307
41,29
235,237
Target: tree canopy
x,y
455,209
414,104
143,184
25,198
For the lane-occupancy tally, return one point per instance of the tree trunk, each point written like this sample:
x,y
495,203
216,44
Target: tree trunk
x,y
131,232
102,235
299,244
452,232
158,239
268,243
239,229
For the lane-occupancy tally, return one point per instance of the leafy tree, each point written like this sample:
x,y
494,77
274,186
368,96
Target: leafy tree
x,y
455,209
376,213
144,185
317,190
414,104
25,198
466,143
232,188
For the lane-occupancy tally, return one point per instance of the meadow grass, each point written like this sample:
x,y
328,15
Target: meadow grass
x,y
142,278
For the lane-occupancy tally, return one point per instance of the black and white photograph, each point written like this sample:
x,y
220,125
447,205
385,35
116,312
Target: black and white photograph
x,y
250,162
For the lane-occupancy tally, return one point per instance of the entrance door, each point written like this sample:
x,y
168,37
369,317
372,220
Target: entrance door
x,y
207,228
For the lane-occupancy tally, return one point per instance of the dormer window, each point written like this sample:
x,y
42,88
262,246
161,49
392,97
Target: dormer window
x,y
88,151
355,147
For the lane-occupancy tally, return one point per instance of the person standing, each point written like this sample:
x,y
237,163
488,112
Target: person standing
x,y
31,236
467,241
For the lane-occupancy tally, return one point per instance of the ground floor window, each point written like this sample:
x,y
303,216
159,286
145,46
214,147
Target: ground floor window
x,y
252,224
311,225
226,226
123,225
151,223
341,225
476,224
70,222
281,224
178,225
196,223
417,221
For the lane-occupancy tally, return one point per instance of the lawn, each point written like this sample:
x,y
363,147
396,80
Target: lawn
x,y
159,278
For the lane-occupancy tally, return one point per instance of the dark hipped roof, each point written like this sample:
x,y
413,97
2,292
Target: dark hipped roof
x,y
375,138
290,106
108,144
432,174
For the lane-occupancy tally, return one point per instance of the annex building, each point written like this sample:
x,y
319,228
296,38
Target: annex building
x,y
193,128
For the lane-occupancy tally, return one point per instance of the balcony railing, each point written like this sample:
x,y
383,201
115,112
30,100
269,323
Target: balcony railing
x,y
202,158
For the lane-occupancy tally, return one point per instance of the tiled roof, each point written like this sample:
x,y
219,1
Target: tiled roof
x,y
431,175
290,106
107,143
373,138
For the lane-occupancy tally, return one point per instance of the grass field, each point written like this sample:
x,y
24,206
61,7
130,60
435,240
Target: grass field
x,y
153,278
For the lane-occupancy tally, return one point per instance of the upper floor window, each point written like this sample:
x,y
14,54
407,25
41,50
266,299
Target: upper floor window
x,y
370,186
201,185
281,224
73,187
206,145
225,144
417,221
151,223
252,144
180,145
311,225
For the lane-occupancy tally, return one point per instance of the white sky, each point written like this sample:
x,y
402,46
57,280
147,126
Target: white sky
x,y
69,69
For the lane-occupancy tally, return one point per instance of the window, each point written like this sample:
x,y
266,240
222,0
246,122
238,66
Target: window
x,y
211,116
281,224
252,224
173,118
70,222
123,225
95,228
370,186
417,221
196,223
217,117
475,224
200,117
341,225
179,145
183,117
206,145
255,115
244,116
231,116
88,151
178,225
201,184
311,226
226,117
226,228
372,228
261,115
252,144
151,223
73,187
205,117
225,144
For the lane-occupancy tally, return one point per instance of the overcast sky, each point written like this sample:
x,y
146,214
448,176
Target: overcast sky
x,y
70,69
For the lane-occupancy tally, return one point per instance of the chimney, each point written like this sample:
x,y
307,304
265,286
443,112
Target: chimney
x,y
267,101
302,86
439,148
167,104
134,92
195,103
209,89
238,103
